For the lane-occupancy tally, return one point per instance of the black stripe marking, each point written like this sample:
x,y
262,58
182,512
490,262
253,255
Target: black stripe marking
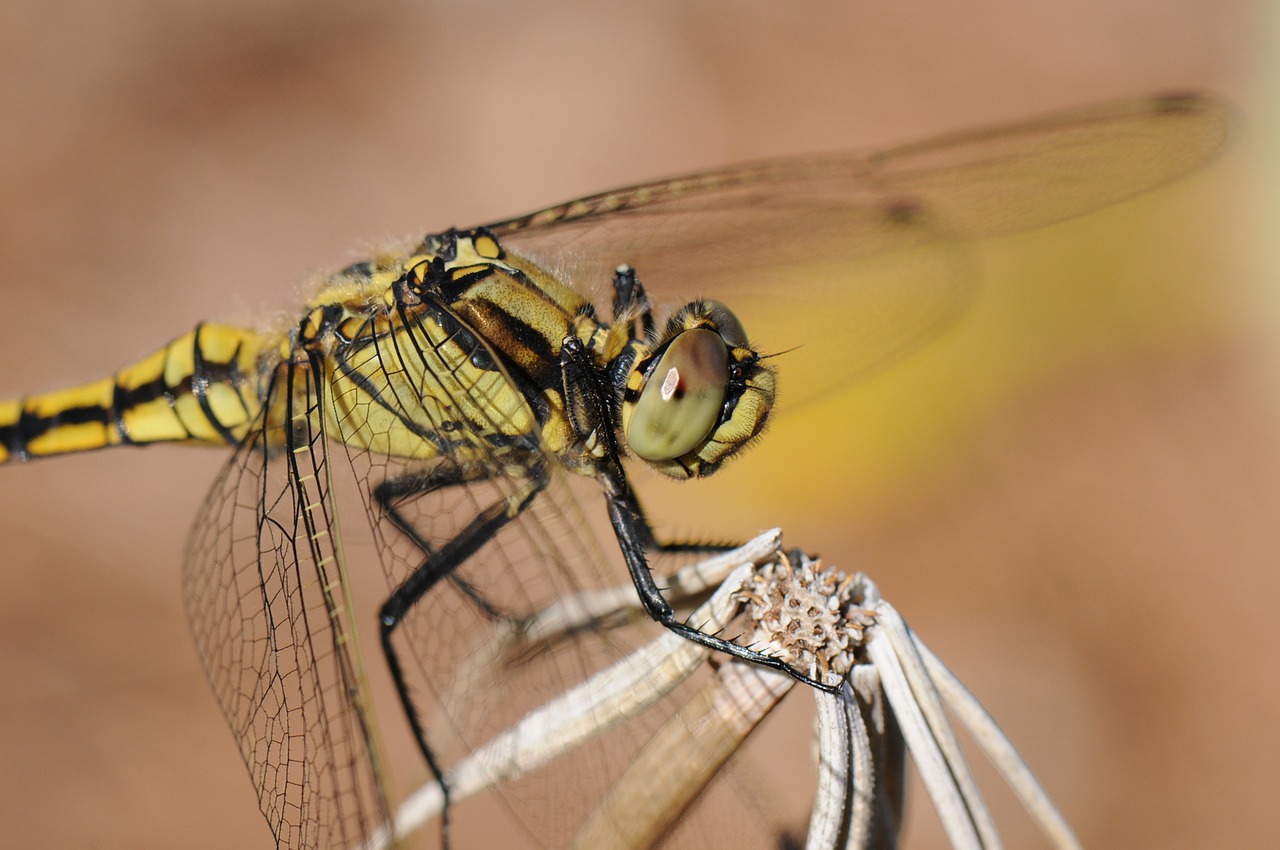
x,y
461,333
124,400
95,413
544,363
11,439
452,287
203,375
18,436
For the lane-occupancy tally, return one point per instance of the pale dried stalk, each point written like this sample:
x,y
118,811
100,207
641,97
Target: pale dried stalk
x,y
918,685
820,620
1000,750
861,769
964,828
682,758
592,707
579,610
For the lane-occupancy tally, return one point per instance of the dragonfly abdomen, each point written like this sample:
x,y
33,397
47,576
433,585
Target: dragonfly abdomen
x,y
200,388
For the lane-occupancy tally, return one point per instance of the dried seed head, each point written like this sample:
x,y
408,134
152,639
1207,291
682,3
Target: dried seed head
x,y
812,617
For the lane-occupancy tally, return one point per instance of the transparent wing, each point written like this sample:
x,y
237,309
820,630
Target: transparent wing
x,y
265,594
472,669
475,673
866,243
851,258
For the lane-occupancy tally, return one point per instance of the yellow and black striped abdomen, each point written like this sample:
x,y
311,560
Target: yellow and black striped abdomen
x,y
200,388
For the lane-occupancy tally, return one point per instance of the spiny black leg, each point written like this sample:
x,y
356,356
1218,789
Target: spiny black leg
x,y
625,525
389,493
587,394
441,564
630,299
676,547
480,530
651,543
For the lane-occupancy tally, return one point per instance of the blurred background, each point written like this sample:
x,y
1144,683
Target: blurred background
x,y
1071,497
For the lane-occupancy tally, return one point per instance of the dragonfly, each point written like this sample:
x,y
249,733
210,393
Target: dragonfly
x,y
465,385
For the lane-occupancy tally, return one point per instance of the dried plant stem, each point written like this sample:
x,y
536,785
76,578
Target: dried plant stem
x,y
683,757
894,699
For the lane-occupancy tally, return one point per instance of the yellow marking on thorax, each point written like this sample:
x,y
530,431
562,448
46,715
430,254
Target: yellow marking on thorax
x,y
423,379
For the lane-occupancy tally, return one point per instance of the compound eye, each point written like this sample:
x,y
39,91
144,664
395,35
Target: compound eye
x,y
683,400
728,325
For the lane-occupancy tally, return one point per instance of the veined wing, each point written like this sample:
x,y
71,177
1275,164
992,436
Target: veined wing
x,y
865,242
876,233
440,440
455,642
265,589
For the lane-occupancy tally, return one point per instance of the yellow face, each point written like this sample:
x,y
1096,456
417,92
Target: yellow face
x,y
699,396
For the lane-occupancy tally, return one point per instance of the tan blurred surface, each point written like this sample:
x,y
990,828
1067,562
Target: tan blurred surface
x,y
1072,498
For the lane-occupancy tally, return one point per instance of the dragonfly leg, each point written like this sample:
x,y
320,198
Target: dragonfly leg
x,y
590,397
631,302
676,547
627,521
441,564
391,492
